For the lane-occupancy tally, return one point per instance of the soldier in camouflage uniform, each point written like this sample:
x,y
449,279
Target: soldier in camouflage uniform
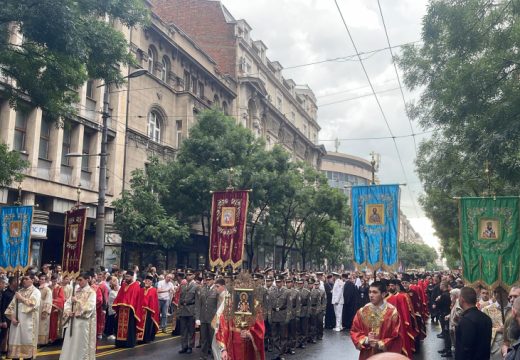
x,y
294,315
315,305
320,313
303,318
279,305
268,339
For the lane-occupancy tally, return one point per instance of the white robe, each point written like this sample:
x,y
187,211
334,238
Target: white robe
x,y
45,320
23,338
82,344
337,301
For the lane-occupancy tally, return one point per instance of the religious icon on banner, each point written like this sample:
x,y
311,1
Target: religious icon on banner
x,y
489,228
15,229
375,214
228,217
74,228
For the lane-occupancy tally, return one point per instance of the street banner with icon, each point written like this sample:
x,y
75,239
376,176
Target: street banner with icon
x,y
489,241
75,221
16,237
228,227
375,226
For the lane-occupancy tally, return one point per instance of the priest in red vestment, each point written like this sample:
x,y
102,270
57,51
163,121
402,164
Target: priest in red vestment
x,y
58,302
236,343
375,328
150,319
129,308
408,330
418,309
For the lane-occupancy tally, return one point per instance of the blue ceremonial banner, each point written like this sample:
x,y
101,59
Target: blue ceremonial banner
x,y
16,237
375,225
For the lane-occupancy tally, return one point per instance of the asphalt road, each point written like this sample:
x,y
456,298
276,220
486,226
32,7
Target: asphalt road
x,y
334,346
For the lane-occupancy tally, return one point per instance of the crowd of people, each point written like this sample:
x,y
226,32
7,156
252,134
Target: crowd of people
x,y
383,312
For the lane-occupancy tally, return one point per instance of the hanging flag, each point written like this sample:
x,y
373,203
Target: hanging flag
x,y
489,239
16,237
375,225
75,221
228,227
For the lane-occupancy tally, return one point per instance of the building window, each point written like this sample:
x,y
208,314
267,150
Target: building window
x,y
154,126
279,100
293,117
165,69
225,108
194,85
45,136
178,134
152,59
216,101
187,81
87,137
20,130
65,148
201,90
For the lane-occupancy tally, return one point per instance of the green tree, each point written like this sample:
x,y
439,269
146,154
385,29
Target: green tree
x,y
140,216
467,68
416,255
65,42
12,165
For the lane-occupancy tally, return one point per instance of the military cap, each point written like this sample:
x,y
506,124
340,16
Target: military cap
x,y
311,281
189,272
269,278
299,281
258,276
209,276
279,277
289,279
319,273
335,274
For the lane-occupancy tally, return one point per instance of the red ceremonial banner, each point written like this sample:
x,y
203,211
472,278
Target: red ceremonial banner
x,y
228,227
75,221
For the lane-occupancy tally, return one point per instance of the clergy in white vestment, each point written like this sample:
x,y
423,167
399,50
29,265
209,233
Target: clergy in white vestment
x,y
45,310
24,314
80,319
338,300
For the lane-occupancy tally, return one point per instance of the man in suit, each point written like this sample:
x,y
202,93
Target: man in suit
x,y
473,334
349,301
279,304
186,312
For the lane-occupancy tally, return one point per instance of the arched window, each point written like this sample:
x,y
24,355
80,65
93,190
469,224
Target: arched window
x,y
154,126
165,68
225,108
216,101
152,59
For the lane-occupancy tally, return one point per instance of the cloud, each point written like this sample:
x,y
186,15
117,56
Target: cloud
x,y
304,31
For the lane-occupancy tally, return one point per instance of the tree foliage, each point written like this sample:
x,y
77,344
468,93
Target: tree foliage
x,y
12,165
65,42
140,216
417,256
467,68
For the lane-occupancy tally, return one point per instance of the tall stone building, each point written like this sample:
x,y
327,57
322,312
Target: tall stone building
x,y
275,108
152,115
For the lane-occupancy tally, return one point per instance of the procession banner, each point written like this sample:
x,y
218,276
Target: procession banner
x,y
375,225
489,241
228,227
75,221
16,237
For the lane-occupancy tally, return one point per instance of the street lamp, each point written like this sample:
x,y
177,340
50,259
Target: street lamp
x,y
100,213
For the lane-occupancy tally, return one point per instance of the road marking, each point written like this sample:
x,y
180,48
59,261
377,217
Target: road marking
x,y
115,351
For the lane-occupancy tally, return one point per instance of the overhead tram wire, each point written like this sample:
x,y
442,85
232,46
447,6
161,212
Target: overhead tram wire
x,y
397,75
349,57
377,101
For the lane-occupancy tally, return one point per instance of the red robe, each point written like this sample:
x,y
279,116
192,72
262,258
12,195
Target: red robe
x,y
407,330
228,337
58,302
129,297
386,325
418,307
150,305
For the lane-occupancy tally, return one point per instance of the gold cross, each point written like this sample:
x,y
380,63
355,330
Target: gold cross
x,y
510,268
388,248
225,247
489,266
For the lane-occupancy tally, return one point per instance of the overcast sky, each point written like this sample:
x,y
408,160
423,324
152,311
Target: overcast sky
x,y
299,32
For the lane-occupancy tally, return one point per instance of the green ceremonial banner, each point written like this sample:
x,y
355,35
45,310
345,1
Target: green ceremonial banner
x,y
490,242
